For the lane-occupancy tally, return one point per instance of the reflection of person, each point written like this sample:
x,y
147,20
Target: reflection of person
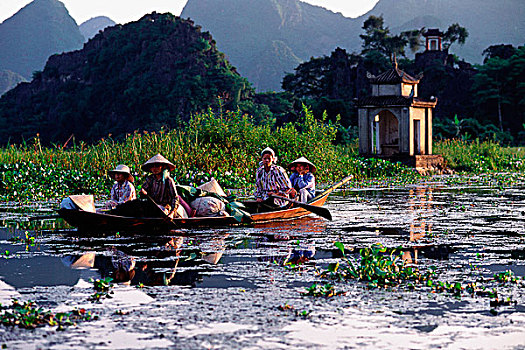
x,y
303,179
287,255
118,265
124,266
272,179
123,189
159,186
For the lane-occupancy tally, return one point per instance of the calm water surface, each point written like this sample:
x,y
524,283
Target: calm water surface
x,y
222,288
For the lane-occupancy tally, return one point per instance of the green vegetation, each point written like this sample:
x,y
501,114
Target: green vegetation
x,y
375,267
480,156
381,267
29,315
326,290
173,74
225,146
148,74
103,288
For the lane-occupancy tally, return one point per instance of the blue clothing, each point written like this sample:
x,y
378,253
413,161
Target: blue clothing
x,y
306,181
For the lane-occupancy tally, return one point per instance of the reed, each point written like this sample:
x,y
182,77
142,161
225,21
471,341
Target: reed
x,y
480,156
222,145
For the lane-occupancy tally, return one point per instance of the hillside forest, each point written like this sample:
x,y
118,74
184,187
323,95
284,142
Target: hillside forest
x,y
160,71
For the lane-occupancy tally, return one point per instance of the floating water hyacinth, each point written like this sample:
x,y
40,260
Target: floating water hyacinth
x,y
29,315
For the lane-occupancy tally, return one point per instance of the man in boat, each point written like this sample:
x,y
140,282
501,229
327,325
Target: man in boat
x,y
160,187
303,179
123,189
271,179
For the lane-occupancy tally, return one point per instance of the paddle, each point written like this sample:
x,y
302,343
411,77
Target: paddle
x,y
156,205
53,216
323,212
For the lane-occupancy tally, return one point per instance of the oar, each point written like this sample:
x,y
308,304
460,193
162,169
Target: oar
x,y
323,212
53,216
164,215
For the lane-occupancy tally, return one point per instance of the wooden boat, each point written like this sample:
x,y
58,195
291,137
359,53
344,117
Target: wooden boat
x,y
93,221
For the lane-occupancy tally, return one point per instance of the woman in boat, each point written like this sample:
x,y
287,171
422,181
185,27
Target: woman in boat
x,y
271,179
123,189
303,179
159,186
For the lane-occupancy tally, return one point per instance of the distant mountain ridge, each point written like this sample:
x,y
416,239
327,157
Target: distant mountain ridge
x,y
9,80
92,26
144,75
40,29
488,22
248,31
264,38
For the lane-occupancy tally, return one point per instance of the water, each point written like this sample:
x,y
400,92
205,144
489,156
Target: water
x,y
223,288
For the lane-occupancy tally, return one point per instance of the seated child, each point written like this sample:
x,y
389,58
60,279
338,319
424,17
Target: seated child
x,y
302,179
123,189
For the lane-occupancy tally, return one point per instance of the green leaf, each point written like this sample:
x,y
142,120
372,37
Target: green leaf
x,y
341,247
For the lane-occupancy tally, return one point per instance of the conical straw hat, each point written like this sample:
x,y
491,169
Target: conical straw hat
x,y
268,150
84,202
123,169
157,159
303,160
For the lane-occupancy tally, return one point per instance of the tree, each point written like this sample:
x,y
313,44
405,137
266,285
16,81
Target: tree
x,y
454,33
327,83
501,51
378,38
490,85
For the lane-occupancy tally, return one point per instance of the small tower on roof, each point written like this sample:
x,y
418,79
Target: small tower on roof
x,y
434,39
394,122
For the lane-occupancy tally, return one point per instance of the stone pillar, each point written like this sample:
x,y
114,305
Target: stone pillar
x,y
364,131
404,130
429,128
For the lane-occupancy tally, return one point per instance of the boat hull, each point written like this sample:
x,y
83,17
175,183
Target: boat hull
x,y
85,220
89,221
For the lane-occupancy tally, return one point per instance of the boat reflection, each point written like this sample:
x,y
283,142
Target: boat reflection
x,y
286,242
285,230
178,261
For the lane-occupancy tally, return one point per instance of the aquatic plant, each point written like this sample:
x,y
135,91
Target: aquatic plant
x,y
103,289
290,308
375,266
327,290
222,145
29,315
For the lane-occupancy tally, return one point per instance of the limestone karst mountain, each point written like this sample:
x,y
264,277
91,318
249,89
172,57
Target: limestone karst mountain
x,y
143,75
249,31
92,26
29,37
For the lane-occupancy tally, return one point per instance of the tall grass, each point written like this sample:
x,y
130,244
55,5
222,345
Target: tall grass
x,y
224,145
480,156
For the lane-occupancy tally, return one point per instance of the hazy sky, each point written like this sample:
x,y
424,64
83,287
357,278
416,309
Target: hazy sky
x,y
123,11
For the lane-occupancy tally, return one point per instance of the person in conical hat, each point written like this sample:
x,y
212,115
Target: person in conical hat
x,y
159,186
157,159
303,179
123,189
272,179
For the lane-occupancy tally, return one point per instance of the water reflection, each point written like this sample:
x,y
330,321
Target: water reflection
x,y
177,261
420,201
